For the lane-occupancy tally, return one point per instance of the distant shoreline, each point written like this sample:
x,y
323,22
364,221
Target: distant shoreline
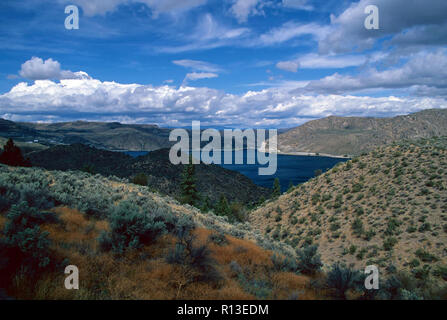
x,y
306,154
314,154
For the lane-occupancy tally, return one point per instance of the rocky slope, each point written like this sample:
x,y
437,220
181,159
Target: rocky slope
x,y
354,136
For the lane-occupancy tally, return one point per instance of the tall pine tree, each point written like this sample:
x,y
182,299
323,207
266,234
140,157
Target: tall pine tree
x,y
223,208
276,188
12,156
190,195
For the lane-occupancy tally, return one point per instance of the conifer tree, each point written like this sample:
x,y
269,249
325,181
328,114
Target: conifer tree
x,y
12,156
223,208
190,195
291,186
276,188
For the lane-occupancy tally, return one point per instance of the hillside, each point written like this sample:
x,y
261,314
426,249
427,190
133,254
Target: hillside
x,y
26,147
212,180
128,243
111,136
387,208
354,136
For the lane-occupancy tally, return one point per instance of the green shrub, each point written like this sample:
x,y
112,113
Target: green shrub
x,y
23,217
422,273
334,226
414,263
285,264
25,247
361,254
425,256
130,228
348,166
315,198
368,235
392,227
140,179
342,278
389,243
426,226
218,238
196,258
260,288
396,284
357,187
352,249
309,261
357,227
441,271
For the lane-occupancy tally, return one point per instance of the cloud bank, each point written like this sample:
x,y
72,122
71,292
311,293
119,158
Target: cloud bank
x,y
87,99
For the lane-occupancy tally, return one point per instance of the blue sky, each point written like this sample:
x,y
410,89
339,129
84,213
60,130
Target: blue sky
x,y
242,63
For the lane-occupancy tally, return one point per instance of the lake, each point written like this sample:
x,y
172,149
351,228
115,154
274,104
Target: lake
x,y
295,169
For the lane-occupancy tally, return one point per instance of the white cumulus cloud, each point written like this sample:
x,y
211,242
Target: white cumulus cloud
x,y
38,69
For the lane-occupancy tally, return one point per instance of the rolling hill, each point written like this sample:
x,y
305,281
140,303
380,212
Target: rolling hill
x,y
354,135
103,135
212,180
387,208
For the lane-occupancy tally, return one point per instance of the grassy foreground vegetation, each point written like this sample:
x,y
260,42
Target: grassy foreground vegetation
x,y
128,243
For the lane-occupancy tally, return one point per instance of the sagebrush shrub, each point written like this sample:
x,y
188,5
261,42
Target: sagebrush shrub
x,y
25,247
285,264
131,228
341,278
197,258
309,261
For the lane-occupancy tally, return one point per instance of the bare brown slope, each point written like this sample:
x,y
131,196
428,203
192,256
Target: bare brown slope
x,y
354,135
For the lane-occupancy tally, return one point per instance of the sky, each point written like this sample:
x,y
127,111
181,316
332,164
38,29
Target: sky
x,y
228,63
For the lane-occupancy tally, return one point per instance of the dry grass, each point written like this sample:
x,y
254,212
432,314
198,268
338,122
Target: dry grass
x,y
145,274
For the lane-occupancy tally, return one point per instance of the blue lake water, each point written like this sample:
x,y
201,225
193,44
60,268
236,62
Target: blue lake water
x,y
295,169
136,154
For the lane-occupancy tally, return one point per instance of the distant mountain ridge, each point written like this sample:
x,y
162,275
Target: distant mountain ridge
x,y
337,136
355,135
103,135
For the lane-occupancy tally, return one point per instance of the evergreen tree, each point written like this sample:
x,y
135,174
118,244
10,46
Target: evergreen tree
x,y
291,186
276,188
190,195
206,206
223,208
12,156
